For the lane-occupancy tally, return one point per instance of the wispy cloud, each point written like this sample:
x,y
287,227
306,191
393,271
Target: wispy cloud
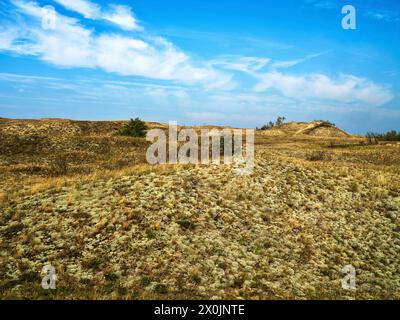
x,y
93,90
71,44
346,88
243,64
370,9
256,64
117,14
343,89
141,54
325,4
24,78
384,15
292,63
86,8
226,38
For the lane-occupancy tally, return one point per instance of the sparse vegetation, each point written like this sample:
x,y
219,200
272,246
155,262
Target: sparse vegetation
x,y
318,156
59,165
137,231
278,122
374,138
134,128
326,123
186,223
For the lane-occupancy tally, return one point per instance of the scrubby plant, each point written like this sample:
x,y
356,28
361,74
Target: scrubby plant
x,y
59,165
134,128
392,135
186,223
318,156
145,281
326,123
371,138
13,229
92,262
161,288
279,121
354,187
270,125
374,138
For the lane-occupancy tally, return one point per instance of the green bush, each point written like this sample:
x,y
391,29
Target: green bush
x,y
134,128
326,123
279,121
373,138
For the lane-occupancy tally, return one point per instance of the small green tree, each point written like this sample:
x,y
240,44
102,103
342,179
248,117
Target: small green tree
x,y
392,136
270,125
280,121
372,138
134,128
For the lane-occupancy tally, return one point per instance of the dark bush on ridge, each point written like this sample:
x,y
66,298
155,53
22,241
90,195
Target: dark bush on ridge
x,y
134,128
374,138
279,121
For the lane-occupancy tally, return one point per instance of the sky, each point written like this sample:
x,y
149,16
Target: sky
x,y
239,62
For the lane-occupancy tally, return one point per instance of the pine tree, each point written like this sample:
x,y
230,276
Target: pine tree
x,y
134,128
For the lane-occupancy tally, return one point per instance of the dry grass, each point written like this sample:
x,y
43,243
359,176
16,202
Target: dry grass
x,y
121,229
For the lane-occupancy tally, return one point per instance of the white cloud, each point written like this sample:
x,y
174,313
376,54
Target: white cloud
x,y
86,8
324,4
72,45
117,14
7,36
243,64
156,58
24,78
386,15
122,16
292,63
252,65
374,10
346,88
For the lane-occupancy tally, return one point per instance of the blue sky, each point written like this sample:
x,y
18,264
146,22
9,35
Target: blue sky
x,y
236,62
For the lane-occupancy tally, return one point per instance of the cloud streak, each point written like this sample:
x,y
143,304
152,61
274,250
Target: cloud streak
x,y
386,15
292,63
116,14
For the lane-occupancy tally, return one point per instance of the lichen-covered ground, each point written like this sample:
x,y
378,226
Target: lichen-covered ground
x,y
203,232
284,232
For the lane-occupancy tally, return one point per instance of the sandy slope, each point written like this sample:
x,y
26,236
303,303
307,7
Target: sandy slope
x,y
196,232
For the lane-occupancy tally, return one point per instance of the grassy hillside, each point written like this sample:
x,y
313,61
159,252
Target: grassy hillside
x,y
116,227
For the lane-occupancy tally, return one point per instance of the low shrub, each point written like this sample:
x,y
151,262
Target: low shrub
x,y
134,128
374,138
318,156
